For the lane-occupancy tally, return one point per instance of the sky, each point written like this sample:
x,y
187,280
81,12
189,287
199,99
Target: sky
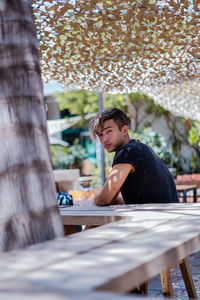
x,y
50,88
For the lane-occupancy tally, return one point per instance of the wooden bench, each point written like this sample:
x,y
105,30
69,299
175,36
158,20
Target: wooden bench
x,y
81,197
184,189
31,291
189,179
66,179
116,257
101,215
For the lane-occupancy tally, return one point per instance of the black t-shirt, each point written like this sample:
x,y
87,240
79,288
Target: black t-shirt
x,y
151,182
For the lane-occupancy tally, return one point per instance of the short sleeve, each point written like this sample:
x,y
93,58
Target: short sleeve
x,y
132,154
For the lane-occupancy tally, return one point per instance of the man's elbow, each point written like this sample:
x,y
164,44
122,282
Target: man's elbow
x,y
100,202
96,201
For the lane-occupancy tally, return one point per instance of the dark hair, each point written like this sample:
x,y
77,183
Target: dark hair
x,y
119,117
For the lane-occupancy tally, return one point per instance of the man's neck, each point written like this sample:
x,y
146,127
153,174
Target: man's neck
x,y
126,141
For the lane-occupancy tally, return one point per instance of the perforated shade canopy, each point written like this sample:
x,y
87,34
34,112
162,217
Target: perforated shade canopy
x,y
124,46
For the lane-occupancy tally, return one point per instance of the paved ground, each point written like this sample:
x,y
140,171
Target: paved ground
x,y
178,284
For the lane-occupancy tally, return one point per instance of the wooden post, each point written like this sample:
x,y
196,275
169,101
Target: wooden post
x,y
144,288
187,277
166,282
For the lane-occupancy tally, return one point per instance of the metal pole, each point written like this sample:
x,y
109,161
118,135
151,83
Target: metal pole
x,y
102,157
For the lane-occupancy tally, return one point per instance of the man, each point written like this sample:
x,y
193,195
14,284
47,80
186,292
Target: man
x,y
137,171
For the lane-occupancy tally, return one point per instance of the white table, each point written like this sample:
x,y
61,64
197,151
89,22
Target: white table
x,y
100,215
115,257
147,215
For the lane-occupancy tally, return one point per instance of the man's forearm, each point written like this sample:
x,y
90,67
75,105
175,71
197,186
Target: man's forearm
x,y
113,184
102,201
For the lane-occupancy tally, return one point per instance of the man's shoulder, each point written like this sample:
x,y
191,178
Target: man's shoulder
x,y
133,150
132,145
124,153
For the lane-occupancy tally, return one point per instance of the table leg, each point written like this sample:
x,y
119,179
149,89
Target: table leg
x,y
195,195
187,277
140,290
69,229
185,196
144,288
166,282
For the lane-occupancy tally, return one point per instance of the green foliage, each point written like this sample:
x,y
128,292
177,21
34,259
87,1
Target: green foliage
x,y
59,157
109,158
114,100
194,140
96,172
67,157
78,102
96,178
137,102
194,134
194,163
137,97
156,109
76,152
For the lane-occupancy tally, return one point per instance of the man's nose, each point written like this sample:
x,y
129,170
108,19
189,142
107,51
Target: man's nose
x,y
104,138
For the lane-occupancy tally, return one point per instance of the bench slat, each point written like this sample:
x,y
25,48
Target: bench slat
x,y
115,257
63,249
30,291
131,260
124,264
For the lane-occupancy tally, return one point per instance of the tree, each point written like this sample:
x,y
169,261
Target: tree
x,y
29,212
78,102
194,140
194,136
135,101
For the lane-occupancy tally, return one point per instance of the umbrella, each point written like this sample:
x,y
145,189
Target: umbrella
x,y
56,141
56,126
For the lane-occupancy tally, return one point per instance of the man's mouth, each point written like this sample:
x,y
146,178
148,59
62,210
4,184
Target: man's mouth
x,y
107,146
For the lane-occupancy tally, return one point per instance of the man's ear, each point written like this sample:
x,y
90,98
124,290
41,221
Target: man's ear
x,y
125,130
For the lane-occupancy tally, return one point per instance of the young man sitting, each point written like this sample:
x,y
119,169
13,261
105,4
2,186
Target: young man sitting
x,y
137,171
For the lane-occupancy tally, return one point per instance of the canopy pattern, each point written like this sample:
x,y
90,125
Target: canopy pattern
x,y
118,46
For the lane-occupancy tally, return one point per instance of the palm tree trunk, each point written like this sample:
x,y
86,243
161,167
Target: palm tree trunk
x,y
28,207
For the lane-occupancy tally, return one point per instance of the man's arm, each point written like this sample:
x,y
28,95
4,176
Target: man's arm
x,y
118,200
113,184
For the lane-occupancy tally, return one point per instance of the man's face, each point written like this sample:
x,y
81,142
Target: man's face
x,y
111,137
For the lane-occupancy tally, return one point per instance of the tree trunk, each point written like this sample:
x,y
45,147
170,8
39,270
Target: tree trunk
x,y
28,206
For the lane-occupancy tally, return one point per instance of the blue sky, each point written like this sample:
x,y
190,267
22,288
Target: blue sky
x,y
50,88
